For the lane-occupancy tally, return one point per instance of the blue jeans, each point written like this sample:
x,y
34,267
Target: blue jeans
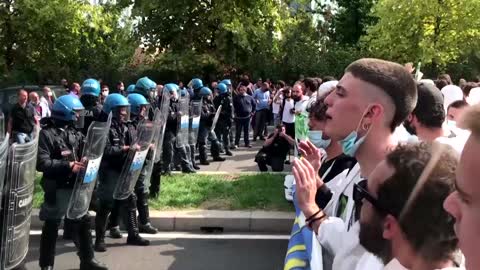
x,y
242,124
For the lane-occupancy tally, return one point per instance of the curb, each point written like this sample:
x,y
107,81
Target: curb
x,y
201,220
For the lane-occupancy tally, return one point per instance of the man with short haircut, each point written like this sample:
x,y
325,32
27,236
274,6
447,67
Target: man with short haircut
x,y
370,101
262,101
75,89
428,118
311,87
455,110
464,203
420,236
41,110
22,119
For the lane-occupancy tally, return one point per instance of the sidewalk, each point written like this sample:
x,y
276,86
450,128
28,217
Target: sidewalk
x,y
242,161
212,220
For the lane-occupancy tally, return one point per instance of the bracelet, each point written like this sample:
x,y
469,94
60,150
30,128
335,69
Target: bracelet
x,y
312,216
310,224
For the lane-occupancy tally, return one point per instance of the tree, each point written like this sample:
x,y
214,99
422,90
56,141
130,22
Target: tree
x,y
61,38
436,32
351,21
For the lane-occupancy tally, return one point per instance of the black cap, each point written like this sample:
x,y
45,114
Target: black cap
x,y
429,104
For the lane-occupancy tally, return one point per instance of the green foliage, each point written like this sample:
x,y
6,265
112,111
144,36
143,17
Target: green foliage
x,y
435,32
62,38
352,20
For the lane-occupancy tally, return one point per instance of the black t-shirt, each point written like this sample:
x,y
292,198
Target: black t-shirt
x,y
279,147
335,167
23,119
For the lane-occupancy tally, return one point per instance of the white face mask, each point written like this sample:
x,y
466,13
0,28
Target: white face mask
x,y
104,93
122,88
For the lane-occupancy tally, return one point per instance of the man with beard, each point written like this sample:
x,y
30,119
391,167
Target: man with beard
x,y
464,203
372,98
402,218
428,118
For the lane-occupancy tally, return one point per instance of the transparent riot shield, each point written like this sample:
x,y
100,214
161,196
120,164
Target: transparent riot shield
x,y
194,125
164,107
215,119
183,121
3,158
87,177
135,159
18,202
150,160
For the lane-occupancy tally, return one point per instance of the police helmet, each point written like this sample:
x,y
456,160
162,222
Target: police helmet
x,y
114,103
90,87
144,86
205,91
136,102
69,108
222,88
227,82
196,83
131,88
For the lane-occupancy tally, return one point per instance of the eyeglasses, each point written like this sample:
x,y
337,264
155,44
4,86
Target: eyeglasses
x,y
360,192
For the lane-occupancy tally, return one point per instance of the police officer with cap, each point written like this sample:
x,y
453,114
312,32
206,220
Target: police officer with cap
x,y
121,137
60,145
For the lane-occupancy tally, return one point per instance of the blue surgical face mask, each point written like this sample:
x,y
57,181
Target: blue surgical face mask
x,y
351,143
451,123
316,137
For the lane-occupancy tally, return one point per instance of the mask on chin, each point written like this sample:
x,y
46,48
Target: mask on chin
x,y
351,143
316,137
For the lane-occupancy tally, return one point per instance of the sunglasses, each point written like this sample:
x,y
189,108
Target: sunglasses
x,y
361,193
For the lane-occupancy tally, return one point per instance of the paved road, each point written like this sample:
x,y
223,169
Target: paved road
x,y
242,160
178,252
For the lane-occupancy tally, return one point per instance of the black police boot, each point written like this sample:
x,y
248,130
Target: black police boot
x,y
215,151
100,228
228,153
194,165
47,268
134,237
113,227
85,249
48,242
115,232
144,215
202,152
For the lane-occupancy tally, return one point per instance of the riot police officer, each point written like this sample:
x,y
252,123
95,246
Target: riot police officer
x,y
193,90
121,137
229,85
205,132
139,110
222,129
60,143
171,131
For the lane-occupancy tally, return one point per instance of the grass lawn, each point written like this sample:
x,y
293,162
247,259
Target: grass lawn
x,y
219,192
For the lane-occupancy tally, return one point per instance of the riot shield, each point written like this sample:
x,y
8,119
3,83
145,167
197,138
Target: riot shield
x,y
18,202
135,159
150,160
3,166
164,107
194,125
183,121
87,177
215,119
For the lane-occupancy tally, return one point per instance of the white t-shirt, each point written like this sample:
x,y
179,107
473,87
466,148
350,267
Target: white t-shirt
x,y
301,105
276,105
287,116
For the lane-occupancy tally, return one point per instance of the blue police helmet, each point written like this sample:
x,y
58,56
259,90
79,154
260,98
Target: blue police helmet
x,y
222,88
182,92
145,85
91,87
131,88
227,82
205,91
196,83
114,100
171,87
65,107
136,101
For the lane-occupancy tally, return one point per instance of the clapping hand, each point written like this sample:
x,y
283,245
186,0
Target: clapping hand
x,y
311,153
307,183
